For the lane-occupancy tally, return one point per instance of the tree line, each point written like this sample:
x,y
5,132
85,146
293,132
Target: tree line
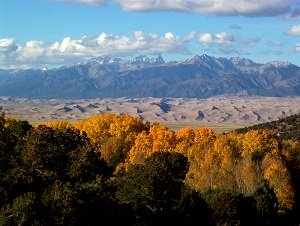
x,y
116,169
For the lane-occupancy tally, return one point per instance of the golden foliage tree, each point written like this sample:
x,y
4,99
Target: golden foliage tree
x,y
97,128
60,124
159,138
262,159
276,172
254,145
184,140
228,154
113,135
203,160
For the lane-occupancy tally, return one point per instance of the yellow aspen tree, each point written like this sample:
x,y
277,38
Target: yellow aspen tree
x,y
9,119
163,138
142,149
255,145
113,135
246,176
204,171
203,160
262,159
100,128
204,136
126,128
184,140
228,153
159,138
203,139
279,178
96,128
60,124
263,141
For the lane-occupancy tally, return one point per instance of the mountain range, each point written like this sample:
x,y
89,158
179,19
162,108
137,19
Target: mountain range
x,y
197,77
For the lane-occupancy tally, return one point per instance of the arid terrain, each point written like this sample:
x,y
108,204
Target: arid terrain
x,y
221,111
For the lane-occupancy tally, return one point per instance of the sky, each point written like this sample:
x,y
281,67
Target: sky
x,y
52,33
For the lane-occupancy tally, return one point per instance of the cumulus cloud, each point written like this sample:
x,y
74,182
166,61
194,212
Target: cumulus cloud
x,y
8,45
288,8
295,30
218,38
226,43
105,44
32,50
153,5
216,7
8,49
70,50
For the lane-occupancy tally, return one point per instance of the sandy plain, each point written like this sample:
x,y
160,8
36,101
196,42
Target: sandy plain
x,y
221,112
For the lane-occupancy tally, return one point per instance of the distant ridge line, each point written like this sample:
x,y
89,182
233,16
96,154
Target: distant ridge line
x,y
197,77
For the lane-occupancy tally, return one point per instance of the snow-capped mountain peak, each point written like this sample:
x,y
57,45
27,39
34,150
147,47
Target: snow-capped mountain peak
x,y
105,60
241,61
278,63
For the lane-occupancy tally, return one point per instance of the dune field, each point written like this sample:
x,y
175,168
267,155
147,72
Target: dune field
x,y
223,112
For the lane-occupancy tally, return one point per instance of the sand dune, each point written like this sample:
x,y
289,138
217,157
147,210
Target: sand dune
x,y
220,109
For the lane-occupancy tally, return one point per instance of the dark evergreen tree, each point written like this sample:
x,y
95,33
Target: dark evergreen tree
x,y
230,208
157,193
266,203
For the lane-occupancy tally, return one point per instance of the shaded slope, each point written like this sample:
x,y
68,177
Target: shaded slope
x,y
287,128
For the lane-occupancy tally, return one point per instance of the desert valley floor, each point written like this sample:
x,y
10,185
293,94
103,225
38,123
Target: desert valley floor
x,y
231,111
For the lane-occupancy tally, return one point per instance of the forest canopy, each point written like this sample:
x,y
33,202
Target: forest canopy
x,y
116,169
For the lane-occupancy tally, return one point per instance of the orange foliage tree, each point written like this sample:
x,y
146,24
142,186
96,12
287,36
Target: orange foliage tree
x,y
159,138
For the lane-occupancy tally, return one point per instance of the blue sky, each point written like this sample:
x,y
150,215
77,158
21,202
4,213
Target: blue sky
x,y
38,33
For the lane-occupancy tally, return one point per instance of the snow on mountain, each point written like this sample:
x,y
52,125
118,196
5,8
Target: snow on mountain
x,y
197,77
279,63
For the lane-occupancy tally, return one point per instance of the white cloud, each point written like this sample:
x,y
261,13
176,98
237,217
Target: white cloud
x,y
7,45
295,30
289,8
152,5
8,49
218,38
69,51
190,36
226,43
219,7
32,50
